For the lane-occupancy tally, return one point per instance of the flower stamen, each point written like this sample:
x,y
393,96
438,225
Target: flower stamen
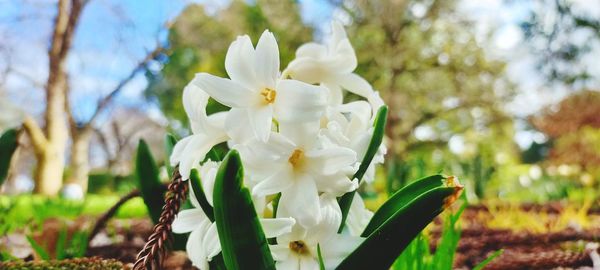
x,y
269,95
296,158
299,247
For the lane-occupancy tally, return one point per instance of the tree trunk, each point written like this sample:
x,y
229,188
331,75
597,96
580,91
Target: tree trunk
x,y
49,171
49,145
79,165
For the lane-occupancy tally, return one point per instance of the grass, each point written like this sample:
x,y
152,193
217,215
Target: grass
x,y
32,210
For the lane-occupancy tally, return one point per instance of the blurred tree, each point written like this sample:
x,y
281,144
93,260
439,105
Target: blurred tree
x,y
50,141
433,73
562,37
199,42
574,126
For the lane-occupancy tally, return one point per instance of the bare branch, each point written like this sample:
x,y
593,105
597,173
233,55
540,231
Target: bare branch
x,y
139,67
36,135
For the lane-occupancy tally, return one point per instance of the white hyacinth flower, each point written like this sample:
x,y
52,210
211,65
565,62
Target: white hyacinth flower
x,y
297,250
255,92
207,131
351,125
331,65
299,170
203,242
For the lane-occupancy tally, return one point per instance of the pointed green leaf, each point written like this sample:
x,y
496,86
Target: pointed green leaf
x,y
61,244
489,259
196,183
8,145
400,199
39,250
386,243
243,243
320,257
147,173
378,132
170,142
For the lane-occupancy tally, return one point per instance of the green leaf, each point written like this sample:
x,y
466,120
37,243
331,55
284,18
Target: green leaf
x,y
386,243
170,142
8,145
243,243
400,199
276,204
378,132
147,173
61,244
320,257
39,250
489,259
200,196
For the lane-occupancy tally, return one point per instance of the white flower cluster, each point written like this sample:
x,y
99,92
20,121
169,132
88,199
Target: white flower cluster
x,y
295,137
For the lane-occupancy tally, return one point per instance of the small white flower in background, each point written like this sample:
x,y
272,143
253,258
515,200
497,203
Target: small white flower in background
x,y
297,250
255,92
332,65
72,191
295,137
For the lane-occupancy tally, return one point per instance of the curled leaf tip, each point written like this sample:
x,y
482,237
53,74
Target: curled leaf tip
x,y
452,182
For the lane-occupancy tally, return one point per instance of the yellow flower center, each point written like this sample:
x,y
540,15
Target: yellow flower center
x,y
296,158
269,95
299,247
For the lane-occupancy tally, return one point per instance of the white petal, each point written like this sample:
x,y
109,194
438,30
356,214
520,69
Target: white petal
x,y
297,101
274,227
336,96
337,184
239,62
358,216
330,220
343,60
188,220
330,160
195,249
225,91
217,121
280,252
267,60
277,146
338,33
301,201
194,104
211,242
209,173
261,118
312,50
292,263
359,109
338,247
278,182
237,125
308,263
355,84
309,70
303,135
178,151
193,199
194,152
